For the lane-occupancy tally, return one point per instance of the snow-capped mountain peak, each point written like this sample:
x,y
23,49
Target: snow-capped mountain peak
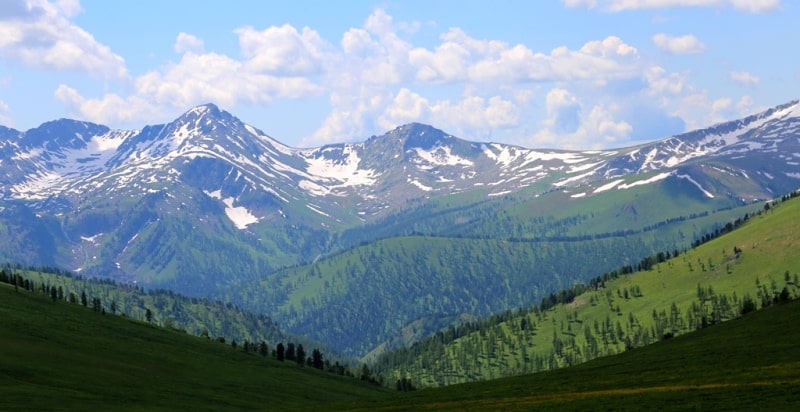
x,y
212,151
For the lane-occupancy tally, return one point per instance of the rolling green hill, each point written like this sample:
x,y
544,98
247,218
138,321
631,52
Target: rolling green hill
x,y
750,363
58,356
195,316
752,266
450,261
61,356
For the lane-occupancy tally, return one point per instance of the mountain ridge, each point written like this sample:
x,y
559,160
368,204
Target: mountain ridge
x,y
210,206
64,165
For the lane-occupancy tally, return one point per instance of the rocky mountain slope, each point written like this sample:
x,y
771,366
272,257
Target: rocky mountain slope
x,y
207,204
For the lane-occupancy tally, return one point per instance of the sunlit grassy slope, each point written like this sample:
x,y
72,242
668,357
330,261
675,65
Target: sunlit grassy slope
x,y
702,286
750,363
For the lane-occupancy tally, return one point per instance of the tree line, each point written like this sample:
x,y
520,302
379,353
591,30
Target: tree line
x,y
293,352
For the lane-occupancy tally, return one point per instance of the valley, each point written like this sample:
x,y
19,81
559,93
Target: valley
x,y
66,356
211,207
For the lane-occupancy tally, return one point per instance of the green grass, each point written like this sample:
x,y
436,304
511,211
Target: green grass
x,y
58,356
502,347
750,363
61,356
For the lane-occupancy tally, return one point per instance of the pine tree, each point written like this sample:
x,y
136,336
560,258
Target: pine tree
x,y
301,355
281,352
316,359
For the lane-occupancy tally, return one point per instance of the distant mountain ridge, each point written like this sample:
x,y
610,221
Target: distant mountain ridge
x,y
67,165
64,158
208,205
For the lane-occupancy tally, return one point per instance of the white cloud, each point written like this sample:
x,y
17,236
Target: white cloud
x,y
461,58
748,6
282,50
687,44
188,43
39,34
600,94
662,83
596,128
4,119
196,79
563,111
756,6
745,78
382,80
699,110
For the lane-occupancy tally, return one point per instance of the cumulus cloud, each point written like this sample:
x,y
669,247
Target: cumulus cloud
x,y
748,6
282,50
745,78
596,127
600,94
461,57
278,62
383,80
195,79
687,44
188,43
563,111
39,34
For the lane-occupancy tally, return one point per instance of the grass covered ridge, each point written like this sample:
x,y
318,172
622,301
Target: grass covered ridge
x,y
57,355
748,363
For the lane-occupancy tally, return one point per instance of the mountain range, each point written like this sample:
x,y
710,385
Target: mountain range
x,y
415,225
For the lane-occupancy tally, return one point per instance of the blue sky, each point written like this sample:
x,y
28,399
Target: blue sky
x,y
571,74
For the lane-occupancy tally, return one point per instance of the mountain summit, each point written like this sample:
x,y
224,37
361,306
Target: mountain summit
x,y
109,202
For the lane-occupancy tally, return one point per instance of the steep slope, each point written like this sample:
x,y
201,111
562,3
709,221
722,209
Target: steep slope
x,y
751,267
744,364
61,356
362,298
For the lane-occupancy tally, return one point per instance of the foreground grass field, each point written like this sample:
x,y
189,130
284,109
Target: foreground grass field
x,y
57,356
750,363
60,356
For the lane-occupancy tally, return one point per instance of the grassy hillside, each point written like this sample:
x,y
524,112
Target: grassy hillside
x,y
60,356
474,261
754,265
750,363
195,316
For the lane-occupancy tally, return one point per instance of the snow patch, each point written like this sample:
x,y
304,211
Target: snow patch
x,y
505,192
656,178
573,178
689,178
608,186
420,185
313,188
344,170
239,215
92,239
442,156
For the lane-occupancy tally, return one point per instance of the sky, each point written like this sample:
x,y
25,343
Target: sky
x,y
562,74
